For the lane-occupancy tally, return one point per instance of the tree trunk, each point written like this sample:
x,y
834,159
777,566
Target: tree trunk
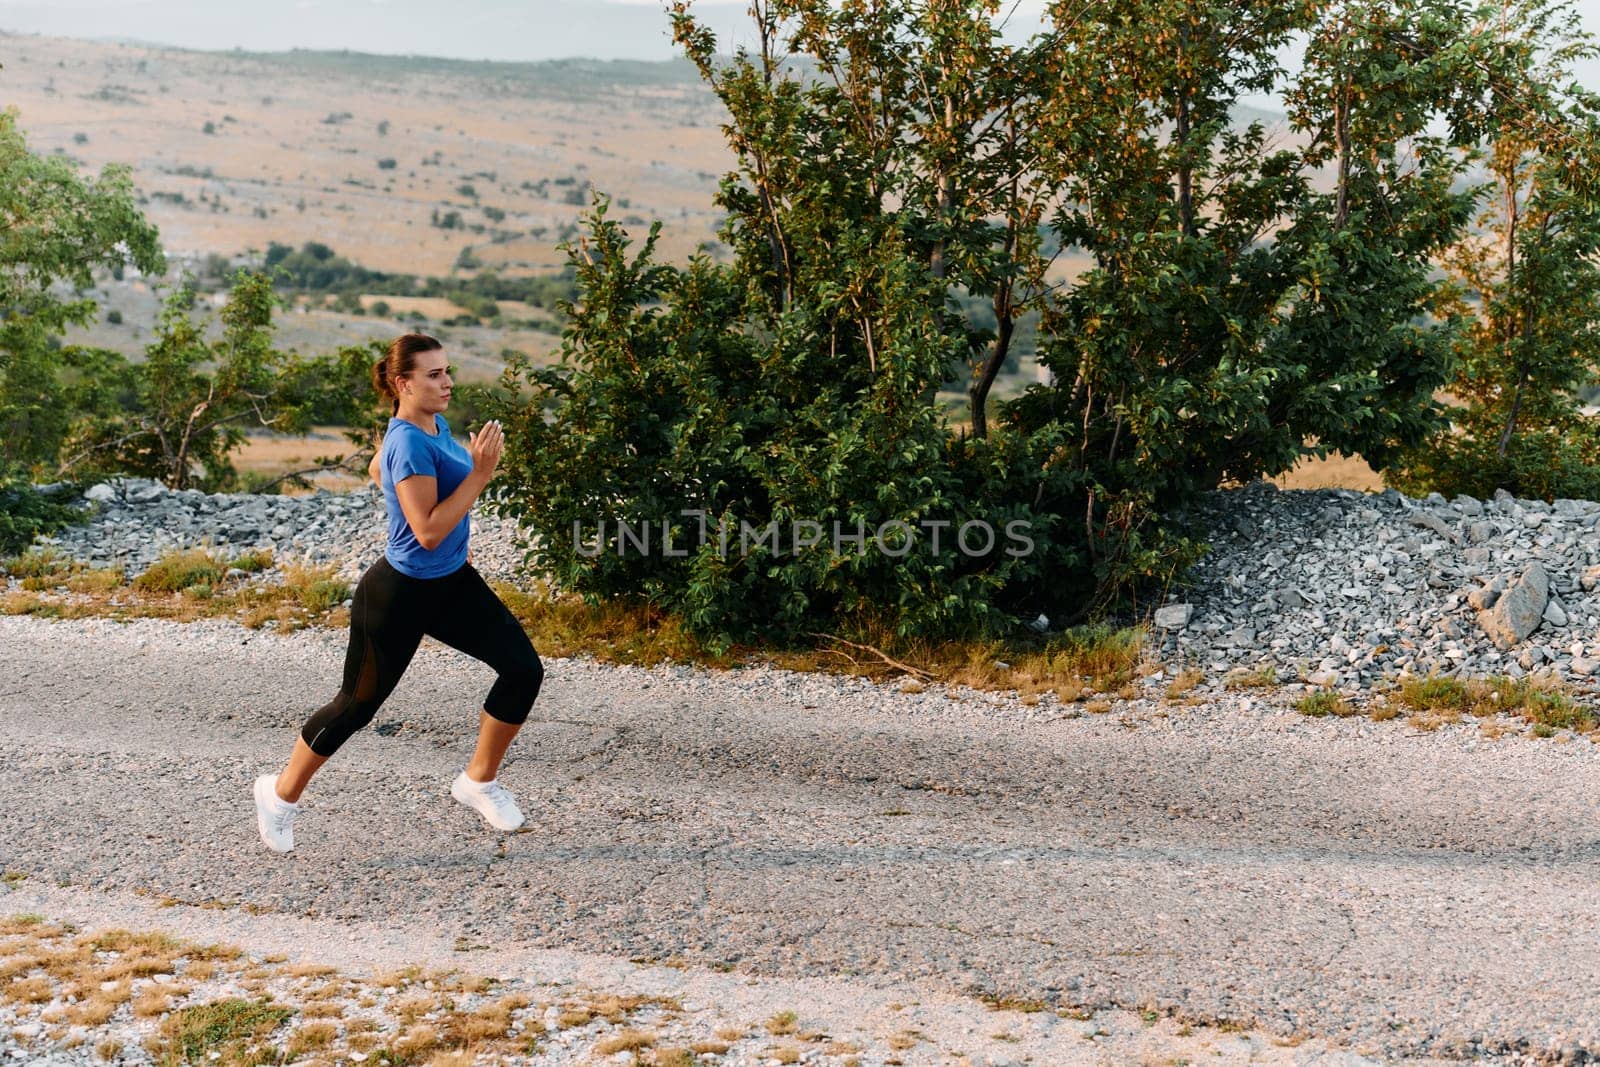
x,y
1006,323
1341,136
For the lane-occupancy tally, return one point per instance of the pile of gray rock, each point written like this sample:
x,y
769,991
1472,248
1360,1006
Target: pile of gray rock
x,y
135,521
1344,588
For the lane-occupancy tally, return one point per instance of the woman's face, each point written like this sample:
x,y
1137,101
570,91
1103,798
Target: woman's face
x,y
426,387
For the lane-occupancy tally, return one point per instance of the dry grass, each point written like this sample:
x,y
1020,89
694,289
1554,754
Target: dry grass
x,y
46,570
671,1057
1332,472
783,1023
30,991
628,1040
154,1001
1070,664
181,586
410,1009
310,1037
189,585
309,970
417,1040
265,456
786,1054
572,1017
1008,1002
906,1039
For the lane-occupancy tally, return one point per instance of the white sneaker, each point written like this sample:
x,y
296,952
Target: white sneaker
x,y
274,815
490,799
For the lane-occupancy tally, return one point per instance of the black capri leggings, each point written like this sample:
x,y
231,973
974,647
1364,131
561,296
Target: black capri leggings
x,y
388,618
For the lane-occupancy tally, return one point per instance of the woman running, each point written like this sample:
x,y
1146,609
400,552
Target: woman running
x,y
422,585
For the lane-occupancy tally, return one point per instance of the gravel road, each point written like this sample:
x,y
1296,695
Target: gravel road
x,y
1404,893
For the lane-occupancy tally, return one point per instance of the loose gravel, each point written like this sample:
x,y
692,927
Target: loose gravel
x,y
1390,892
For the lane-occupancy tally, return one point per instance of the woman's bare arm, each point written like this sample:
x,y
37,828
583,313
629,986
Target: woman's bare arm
x,y
432,519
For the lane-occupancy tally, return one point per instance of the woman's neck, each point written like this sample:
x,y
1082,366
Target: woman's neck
x,y
418,418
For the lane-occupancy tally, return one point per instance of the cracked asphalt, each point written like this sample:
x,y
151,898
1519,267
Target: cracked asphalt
x,y
1415,894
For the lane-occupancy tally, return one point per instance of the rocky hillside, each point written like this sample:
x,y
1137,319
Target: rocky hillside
x,y
1346,588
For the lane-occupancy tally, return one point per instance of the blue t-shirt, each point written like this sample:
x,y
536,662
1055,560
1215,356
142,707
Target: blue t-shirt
x,y
408,450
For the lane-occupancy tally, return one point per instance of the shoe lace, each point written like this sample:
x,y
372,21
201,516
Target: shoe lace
x,y
498,795
282,820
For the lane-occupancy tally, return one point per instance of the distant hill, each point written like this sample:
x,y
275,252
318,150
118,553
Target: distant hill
x,y
475,29
413,165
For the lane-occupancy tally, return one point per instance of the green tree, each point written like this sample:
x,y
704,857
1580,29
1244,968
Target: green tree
x,y
895,162
56,229
1527,280
184,409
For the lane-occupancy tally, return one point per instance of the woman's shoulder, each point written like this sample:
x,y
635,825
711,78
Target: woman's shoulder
x,y
401,426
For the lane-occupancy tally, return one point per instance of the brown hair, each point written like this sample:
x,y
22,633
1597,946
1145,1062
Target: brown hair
x,y
399,361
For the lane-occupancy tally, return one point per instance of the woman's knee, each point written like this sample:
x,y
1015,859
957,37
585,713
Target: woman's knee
x,y
333,724
516,689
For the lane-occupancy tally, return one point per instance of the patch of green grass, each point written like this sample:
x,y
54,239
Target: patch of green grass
x,y
1545,705
227,1027
1540,701
38,563
323,594
178,571
46,568
1262,677
252,562
1324,702
1434,693
96,580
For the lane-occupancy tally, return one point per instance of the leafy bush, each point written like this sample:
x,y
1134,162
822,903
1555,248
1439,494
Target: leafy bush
x,y
25,513
677,404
